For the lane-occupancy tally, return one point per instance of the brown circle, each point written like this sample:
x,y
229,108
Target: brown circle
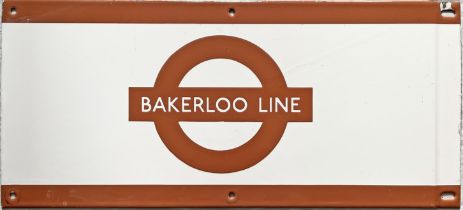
x,y
266,70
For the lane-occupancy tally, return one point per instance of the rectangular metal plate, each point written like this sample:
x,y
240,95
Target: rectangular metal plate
x,y
230,104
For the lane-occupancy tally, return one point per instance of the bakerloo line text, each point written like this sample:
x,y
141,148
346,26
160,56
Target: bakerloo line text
x,y
221,104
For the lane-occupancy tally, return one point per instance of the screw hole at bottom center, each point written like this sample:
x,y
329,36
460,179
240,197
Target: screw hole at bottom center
x,y
231,196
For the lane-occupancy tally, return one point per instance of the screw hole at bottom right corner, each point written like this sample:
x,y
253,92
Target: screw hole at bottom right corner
x,y
447,196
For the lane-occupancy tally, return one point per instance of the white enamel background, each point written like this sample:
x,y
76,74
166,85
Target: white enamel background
x,y
386,104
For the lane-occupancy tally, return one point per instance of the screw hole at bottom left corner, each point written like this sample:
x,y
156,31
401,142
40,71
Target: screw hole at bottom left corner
x,y
12,197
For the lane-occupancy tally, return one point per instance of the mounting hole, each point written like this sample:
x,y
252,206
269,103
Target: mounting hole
x,y
448,196
13,196
446,10
231,12
232,196
448,13
13,11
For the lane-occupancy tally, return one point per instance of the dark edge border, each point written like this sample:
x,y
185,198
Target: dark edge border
x,y
264,12
228,196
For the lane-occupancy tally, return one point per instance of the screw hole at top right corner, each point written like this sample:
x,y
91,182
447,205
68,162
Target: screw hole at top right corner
x,y
446,10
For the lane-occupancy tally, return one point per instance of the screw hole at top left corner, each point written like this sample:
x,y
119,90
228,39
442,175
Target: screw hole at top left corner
x,y
13,11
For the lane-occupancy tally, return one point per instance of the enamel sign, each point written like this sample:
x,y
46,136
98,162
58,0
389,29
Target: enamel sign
x,y
230,104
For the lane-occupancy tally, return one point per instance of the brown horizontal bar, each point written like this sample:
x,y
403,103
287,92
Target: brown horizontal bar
x,y
266,12
227,196
257,107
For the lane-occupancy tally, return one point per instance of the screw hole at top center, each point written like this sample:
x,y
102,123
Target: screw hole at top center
x,y
231,12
